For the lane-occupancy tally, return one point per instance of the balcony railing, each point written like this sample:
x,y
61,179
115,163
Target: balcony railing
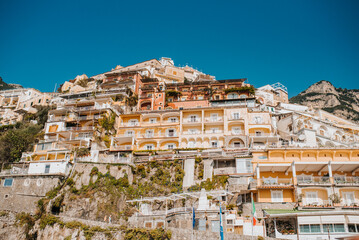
x,y
262,135
211,119
122,148
224,171
350,181
192,120
191,133
275,182
313,181
79,128
213,131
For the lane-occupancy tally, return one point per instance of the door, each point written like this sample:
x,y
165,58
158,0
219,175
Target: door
x,y
311,198
349,198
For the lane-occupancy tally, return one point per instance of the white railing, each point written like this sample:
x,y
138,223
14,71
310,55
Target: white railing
x,y
192,120
347,181
313,181
276,182
217,119
79,128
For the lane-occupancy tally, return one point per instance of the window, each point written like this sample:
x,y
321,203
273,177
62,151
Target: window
x,y
312,228
171,133
43,146
149,147
236,130
349,198
170,100
39,100
235,115
133,122
149,133
217,97
172,119
311,197
149,95
170,146
200,97
243,165
130,133
258,133
214,130
153,120
277,196
257,119
193,131
336,227
191,144
183,98
47,168
232,96
353,227
214,144
8,182
193,118
243,96
159,108
237,145
214,117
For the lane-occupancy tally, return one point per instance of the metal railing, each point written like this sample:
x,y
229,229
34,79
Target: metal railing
x,y
276,182
347,181
313,181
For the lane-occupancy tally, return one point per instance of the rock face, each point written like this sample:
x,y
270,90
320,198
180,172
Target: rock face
x,y
341,102
6,86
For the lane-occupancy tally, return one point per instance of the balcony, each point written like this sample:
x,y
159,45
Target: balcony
x,y
214,120
156,135
348,181
191,133
130,124
313,181
213,132
236,119
275,183
224,171
121,148
193,121
79,128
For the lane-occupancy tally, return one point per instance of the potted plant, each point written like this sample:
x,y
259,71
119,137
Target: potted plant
x,y
335,198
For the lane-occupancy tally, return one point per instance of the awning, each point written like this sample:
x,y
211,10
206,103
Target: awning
x,y
353,219
333,219
309,220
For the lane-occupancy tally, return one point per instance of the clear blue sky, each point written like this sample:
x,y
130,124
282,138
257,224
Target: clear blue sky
x,y
294,42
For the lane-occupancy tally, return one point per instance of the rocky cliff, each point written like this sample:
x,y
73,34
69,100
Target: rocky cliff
x,y
6,86
341,102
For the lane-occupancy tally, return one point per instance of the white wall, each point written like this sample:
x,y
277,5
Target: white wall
x,y
55,167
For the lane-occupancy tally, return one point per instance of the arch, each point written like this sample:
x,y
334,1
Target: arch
x,y
236,143
146,105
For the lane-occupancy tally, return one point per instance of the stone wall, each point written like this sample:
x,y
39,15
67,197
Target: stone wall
x,y
25,192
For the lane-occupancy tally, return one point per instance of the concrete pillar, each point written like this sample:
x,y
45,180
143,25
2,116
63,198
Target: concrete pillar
x,y
330,173
294,173
258,175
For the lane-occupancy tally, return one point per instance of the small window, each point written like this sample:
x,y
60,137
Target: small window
x,y
236,115
39,100
277,196
217,97
153,120
8,182
47,168
214,144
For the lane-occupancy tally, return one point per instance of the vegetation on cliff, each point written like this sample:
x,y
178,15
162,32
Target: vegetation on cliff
x,y
338,101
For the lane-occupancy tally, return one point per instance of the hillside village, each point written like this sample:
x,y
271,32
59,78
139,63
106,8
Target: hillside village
x,y
140,150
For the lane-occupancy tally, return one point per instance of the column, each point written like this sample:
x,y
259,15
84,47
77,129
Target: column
x,y
258,175
294,173
330,173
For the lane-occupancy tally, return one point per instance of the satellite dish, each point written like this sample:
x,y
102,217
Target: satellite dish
x,y
301,137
